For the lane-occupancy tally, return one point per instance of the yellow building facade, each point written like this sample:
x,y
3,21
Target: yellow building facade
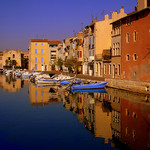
x,y
1,60
39,55
9,55
43,54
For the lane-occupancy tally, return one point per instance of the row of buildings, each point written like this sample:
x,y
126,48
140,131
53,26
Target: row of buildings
x,y
117,47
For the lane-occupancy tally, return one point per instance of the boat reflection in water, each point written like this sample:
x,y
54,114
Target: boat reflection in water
x,y
121,118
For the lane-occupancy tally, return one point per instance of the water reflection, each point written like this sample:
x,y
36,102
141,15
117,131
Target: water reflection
x,y
10,84
118,117
44,95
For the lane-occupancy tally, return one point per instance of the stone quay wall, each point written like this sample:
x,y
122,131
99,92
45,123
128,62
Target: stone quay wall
x,y
134,86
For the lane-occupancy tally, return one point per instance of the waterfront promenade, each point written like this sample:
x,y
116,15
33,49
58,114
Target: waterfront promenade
x,y
133,86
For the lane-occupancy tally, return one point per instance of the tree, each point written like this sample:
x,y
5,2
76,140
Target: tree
x,y
60,63
6,62
72,64
13,63
25,63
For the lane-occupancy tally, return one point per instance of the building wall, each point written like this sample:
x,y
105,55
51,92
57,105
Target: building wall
x,y
102,35
105,40
141,4
13,55
38,45
136,53
1,60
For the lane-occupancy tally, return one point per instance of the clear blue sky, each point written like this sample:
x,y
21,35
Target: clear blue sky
x,y
22,20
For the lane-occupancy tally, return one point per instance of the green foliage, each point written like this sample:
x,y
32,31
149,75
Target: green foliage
x,y
25,63
72,64
60,63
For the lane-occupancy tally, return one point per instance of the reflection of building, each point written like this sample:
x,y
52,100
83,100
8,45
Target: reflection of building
x,y
43,95
115,100
135,124
10,84
130,119
93,113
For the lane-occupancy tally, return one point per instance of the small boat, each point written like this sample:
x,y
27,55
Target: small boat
x,y
89,91
48,81
70,82
55,80
89,86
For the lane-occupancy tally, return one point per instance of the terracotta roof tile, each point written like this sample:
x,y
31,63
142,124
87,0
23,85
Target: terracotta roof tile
x,y
25,53
54,42
38,40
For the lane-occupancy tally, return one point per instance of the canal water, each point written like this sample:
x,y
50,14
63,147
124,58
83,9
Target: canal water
x,y
51,118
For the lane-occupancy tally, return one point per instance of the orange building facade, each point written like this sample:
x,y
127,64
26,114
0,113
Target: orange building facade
x,y
136,46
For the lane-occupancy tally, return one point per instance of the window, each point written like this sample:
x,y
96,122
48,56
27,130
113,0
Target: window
x,y
119,69
35,59
89,42
89,53
42,44
134,36
42,60
35,44
42,93
109,68
93,52
127,131
35,93
79,54
104,68
35,51
127,38
93,43
13,55
8,58
35,66
128,21
134,57
127,57
42,51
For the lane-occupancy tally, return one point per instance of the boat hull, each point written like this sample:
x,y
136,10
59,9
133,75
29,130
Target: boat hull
x,y
89,86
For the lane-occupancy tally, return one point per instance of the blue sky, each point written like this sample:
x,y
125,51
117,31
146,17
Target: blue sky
x,y
22,20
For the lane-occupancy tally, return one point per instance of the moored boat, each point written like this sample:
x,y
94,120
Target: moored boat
x,y
89,91
70,82
89,86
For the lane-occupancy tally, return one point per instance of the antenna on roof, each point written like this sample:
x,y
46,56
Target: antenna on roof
x,y
102,13
81,26
110,14
92,16
74,33
43,36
